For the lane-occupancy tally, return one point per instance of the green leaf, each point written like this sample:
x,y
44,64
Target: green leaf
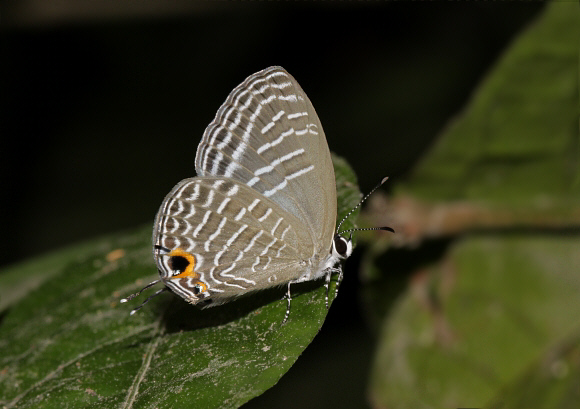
x,y
517,141
551,382
70,344
17,281
480,322
475,323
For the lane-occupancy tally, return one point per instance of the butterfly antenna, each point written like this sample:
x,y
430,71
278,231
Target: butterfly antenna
x,y
360,203
368,228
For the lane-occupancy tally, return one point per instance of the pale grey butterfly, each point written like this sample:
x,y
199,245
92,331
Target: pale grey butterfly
x,y
261,211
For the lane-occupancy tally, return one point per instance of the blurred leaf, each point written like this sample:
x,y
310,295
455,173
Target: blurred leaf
x,y
69,344
474,323
553,381
517,141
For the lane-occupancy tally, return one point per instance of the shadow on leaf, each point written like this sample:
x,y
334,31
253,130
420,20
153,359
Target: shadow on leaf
x,y
179,316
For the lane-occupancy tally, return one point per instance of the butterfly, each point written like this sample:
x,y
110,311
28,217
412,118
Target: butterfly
x,y
262,210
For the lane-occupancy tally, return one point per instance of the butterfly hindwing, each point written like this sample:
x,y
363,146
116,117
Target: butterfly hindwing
x,y
235,240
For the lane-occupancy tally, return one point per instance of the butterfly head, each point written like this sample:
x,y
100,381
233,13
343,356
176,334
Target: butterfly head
x,y
341,247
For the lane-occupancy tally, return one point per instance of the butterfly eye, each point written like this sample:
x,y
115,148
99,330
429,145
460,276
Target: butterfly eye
x,y
340,245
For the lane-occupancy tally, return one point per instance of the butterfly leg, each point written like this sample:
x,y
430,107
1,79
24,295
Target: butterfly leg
x,y
338,281
289,299
327,286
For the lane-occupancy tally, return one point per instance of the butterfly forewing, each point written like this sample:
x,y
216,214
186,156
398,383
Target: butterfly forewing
x,y
235,240
267,136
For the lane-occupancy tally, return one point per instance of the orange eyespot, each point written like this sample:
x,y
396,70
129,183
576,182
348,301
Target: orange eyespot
x,y
183,262
200,287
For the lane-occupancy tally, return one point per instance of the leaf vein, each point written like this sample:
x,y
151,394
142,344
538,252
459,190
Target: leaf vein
x,y
140,376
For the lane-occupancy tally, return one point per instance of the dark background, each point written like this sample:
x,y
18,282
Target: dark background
x,y
103,108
